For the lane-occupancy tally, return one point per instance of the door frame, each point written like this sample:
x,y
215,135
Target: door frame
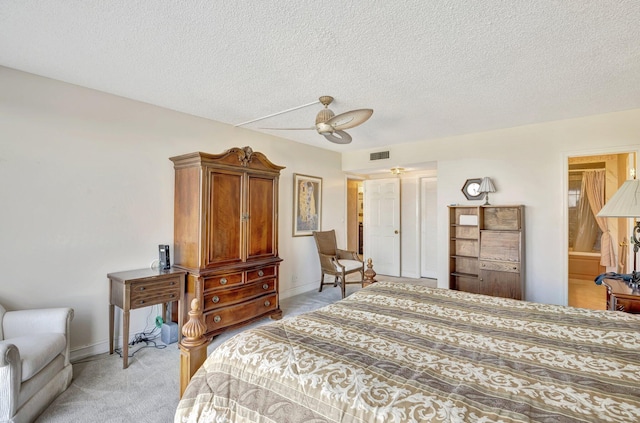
x,y
565,204
348,178
423,225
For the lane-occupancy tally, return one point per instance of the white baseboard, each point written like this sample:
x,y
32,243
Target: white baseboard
x,y
102,347
81,353
299,290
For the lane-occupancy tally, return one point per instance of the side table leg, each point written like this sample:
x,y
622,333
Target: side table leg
x,y
111,311
125,339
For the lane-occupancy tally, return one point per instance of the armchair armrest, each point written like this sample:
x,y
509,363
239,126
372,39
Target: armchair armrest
x,y
45,320
347,255
327,261
9,354
10,376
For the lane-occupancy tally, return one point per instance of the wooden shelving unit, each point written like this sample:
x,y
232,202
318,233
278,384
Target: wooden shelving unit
x,y
486,245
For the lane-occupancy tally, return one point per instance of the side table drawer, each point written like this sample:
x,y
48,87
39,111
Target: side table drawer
x,y
222,298
628,305
144,294
238,313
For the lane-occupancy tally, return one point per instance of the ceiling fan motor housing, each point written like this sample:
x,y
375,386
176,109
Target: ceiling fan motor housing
x,y
324,115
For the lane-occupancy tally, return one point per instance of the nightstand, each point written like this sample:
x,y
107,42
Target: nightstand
x,y
621,297
143,288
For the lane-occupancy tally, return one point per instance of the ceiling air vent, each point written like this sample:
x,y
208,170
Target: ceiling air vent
x,y
379,155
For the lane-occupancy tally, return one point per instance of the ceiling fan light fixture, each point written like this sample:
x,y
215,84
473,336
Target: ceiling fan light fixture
x,y
324,128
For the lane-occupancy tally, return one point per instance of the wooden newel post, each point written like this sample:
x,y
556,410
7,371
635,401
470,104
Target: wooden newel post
x,y
193,346
369,274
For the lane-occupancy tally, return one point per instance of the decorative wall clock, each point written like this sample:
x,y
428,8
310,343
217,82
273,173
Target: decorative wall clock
x,y
470,189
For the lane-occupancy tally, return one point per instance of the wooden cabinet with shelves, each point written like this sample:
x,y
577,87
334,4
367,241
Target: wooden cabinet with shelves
x,y
226,235
486,245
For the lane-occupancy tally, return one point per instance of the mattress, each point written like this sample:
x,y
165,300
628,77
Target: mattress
x,y
400,352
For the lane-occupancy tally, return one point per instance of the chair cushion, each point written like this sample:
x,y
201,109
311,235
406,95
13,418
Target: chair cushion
x,y
349,265
36,351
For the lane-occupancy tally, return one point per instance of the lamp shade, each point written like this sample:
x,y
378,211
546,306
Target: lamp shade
x,y
625,202
486,185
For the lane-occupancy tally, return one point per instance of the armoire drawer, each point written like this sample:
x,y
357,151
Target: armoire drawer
x,y
222,281
145,293
265,272
228,316
222,298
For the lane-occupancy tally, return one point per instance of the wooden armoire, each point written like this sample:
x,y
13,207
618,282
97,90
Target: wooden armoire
x,y
226,235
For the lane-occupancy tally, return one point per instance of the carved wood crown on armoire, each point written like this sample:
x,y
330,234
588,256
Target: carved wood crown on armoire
x,y
226,235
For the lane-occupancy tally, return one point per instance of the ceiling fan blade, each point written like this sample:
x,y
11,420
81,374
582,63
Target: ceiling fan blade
x,y
350,119
338,137
290,129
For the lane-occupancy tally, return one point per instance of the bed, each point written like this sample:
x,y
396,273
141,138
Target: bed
x,y
401,352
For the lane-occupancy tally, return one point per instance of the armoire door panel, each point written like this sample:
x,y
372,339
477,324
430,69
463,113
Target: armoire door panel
x,y
261,225
186,211
224,220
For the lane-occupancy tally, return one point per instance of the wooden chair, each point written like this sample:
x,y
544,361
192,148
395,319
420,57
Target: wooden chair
x,y
336,262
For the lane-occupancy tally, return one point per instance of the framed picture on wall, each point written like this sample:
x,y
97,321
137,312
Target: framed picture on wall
x,y
307,204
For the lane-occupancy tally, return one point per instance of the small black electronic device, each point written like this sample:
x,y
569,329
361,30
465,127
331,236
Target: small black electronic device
x,y
165,261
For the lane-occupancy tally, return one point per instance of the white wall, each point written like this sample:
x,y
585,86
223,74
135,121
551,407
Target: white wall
x,y
87,189
527,164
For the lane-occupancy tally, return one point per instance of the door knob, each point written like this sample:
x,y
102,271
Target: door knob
x,y
395,232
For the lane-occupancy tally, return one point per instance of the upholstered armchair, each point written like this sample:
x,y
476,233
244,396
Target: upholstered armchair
x,y
336,262
34,361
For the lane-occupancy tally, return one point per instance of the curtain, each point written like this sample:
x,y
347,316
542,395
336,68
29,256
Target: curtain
x,y
593,185
587,227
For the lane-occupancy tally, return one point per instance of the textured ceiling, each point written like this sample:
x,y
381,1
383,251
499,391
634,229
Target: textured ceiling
x,y
428,68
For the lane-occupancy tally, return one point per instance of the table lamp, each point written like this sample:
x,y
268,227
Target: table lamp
x,y
486,186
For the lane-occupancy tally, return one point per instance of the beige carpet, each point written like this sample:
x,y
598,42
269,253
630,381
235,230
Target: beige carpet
x,y
148,390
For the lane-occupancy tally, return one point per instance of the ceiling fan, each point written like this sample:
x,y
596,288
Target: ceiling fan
x,y
332,126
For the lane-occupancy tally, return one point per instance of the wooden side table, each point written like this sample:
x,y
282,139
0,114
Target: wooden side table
x,y
143,288
622,297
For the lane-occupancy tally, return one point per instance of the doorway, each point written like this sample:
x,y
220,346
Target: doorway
x,y
355,209
586,243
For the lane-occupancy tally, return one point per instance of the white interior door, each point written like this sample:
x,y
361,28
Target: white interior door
x,y
382,225
429,228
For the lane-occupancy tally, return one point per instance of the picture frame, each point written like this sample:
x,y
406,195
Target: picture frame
x,y
307,204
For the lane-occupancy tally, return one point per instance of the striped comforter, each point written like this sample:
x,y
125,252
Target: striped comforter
x,y
398,352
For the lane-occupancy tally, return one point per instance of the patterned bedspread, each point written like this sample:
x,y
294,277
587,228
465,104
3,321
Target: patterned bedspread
x,y
398,352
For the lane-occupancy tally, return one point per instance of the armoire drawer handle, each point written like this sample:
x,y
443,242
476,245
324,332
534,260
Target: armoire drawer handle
x,y
216,299
265,286
141,302
141,288
217,319
172,296
267,303
260,273
223,281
